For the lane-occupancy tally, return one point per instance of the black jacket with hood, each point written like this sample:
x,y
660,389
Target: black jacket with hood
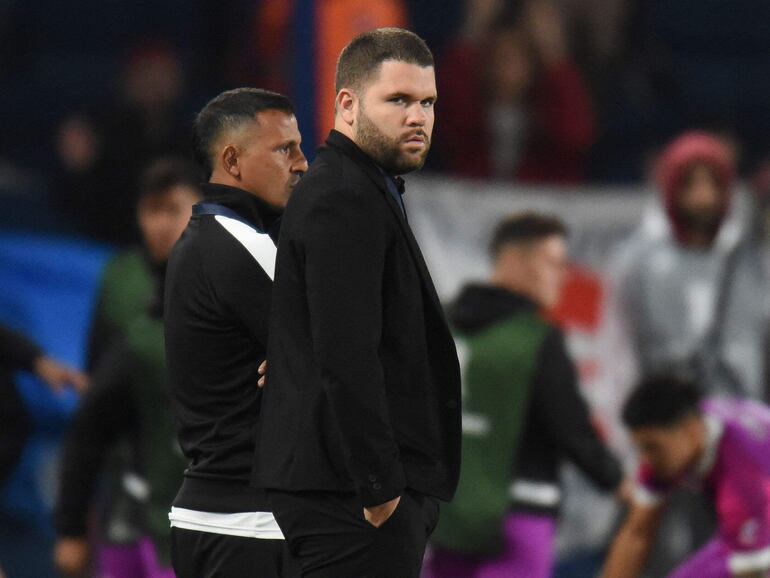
x,y
557,425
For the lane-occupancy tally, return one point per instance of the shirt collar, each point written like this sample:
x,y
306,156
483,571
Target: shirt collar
x,y
248,206
394,182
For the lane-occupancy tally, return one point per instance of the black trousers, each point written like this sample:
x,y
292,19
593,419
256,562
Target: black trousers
x,y
205,555
329,536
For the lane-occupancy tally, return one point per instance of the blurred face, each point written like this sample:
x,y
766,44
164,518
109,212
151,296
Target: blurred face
x,y
394,120
77,144
670,451
267,158
510,68
548,268
163,217
537,269
154,81
700,204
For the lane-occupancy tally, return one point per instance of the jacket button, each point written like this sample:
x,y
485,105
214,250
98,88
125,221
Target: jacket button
x,y
372,478
377,486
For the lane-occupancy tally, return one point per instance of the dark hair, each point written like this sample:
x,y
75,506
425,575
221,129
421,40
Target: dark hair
x,y
525,228
364,54
228,111
167,172
661,401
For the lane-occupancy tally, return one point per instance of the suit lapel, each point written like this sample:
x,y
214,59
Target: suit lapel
x,y
345,145
416,252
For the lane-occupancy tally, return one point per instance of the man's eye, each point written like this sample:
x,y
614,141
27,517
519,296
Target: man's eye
x,y
428,103
397,100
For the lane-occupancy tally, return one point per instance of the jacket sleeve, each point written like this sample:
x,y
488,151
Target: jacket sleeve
x,y
105,413
344,242
558,404
16,351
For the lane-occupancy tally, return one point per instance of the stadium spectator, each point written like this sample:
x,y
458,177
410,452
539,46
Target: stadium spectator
x,y
523,413
101,154
687,286
719,446
513,103
124,426
597,27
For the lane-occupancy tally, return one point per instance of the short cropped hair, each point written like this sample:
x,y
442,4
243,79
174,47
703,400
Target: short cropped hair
x,y
229,111
661,401
362,57
525,228
167,172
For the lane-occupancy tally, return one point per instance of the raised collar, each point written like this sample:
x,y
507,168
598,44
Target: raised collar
x,y
340,142
480,305
248,207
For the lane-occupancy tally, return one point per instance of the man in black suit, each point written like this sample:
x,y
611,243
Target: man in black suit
x,y
360,422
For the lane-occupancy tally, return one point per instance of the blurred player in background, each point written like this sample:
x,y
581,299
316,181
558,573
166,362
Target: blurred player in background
x,y
721,447
128,405
19,353
129,280
523,413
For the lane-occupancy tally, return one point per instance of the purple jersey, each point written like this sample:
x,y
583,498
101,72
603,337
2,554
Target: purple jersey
x,y
735,471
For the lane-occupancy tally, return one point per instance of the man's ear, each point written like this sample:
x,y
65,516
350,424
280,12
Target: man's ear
x,y
230,161
347,104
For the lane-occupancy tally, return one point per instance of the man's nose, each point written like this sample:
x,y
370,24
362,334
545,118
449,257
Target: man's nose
x,y
300,166
417,115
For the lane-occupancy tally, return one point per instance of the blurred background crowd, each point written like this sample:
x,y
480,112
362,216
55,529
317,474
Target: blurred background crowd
x,y
643,124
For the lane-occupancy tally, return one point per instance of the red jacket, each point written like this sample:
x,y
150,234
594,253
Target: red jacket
x,y
561,129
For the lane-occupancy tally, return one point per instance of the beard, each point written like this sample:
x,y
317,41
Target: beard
x,y
386,151
704,222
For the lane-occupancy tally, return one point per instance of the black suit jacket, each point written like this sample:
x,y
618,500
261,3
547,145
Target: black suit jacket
x,y
363,386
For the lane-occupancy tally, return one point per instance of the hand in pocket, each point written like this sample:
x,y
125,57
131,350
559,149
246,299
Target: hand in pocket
x,y
378,515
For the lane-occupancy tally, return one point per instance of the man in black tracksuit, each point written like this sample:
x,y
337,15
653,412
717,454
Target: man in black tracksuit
x,y
217,301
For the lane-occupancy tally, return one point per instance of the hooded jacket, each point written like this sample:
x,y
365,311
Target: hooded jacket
x,y
557,424
666,297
